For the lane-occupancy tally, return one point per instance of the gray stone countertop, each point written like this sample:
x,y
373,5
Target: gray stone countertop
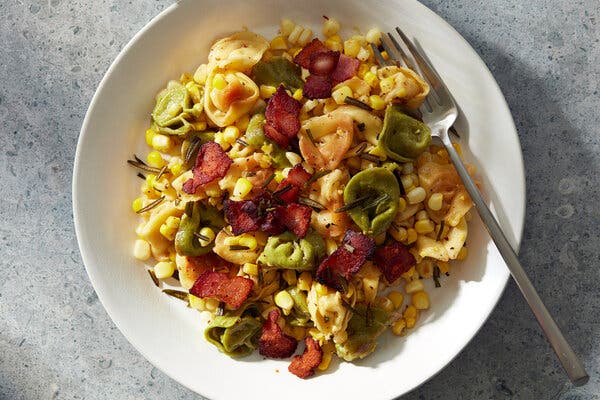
x,y
56,340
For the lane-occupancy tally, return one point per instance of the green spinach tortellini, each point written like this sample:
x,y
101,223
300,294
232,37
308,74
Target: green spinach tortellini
x,y
196,216
235,333
256,138
402,137
365,326
286,251
375,193
176,108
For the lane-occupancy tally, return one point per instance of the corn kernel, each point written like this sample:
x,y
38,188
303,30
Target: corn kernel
x,y
399,233
413,286
351,47
406,181
286,26
397,298
293,158
207,233
161,142
211,304
137,204
424,226
176,168
304,37
248,240
386,304
416,195
213,190
284,301
420,300
169,228
371,79
149,135
422,215
386,84
242,122
410,322
334,43
141,250
398,327
340,94
401,204
376,102
330,246
289,275
219,82
321,289
164,269
279,43
267,91
278,176
330,27
196,302
373,36
242,187
462,254
363,69
411,236
408,274
295,34
297,94
327,349
304,281
201,74
220,140
435,201
154,159
410,312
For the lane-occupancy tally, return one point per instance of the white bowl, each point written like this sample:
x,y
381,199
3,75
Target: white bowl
x,y
170,335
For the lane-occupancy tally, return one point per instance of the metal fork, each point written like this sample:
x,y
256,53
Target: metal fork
x,y
439,112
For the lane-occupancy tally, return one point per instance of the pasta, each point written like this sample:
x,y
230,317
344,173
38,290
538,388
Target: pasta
x,y
289,195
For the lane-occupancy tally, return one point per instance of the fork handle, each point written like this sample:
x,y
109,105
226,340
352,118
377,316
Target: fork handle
x,y
563,350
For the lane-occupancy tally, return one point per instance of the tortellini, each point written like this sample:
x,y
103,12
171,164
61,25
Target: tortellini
x,y
448,248
288,252
150,231
367,125
239,51
327,310
235,333
365,326
407,86
175,110
228,96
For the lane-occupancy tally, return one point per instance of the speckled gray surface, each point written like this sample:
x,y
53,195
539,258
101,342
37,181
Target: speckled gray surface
x,y
56,340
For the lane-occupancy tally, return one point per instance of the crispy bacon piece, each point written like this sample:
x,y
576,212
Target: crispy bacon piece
x,y
346,68
304,365
282,118
336,270
323,63
317,87
233,291
314,47
273,343
393,260
252,215
296,218
209,262
296,178
212,163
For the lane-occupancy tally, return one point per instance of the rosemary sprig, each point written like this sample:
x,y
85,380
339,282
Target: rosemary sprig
x,y
400,185
194,145
178,294
137,163
369,157
353,204
241,142
154,278
151,205
439,234
311,203
355,102
236,247
269,179
202,237
375,202
283,190
141,176
316,176
161,172
310,137
436,276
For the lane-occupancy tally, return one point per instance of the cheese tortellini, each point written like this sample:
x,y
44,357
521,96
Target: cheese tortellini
x,y
228,96
239,51
407,86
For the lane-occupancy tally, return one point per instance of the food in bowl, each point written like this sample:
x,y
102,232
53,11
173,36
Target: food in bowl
x,y
294,196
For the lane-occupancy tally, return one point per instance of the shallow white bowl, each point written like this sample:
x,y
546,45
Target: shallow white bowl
x,y
168,334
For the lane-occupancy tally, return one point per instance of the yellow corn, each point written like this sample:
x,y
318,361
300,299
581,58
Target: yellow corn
x,y
231,133
411,236
213,190
286,26
435,201
373,36
371,79
340,94
401,204
413,286
154,159
220,140
327,348
421,215
410,312
141,250
196,302
250,269
410,322
398,327
248,240
164,269
242,122
321,289
398,233
386,304
219,82
420,300
377,102
330,245
424,226
137,204
462,254
149,135
363,69
351,47
334,43
242,187
297,94
386,84
161,142
416,195
211,304
304,281
169,228
284,301
330,27
397,298
176,168
408,274
279,43
289,275
278,176
267,91
209,234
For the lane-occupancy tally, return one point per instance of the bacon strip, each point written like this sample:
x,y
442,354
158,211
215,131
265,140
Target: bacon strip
x,y
297,177
296,218
282,118
323,63
317,87
336,270
252,215
273,342
393,260
233,291
346,68
314,47
212,163
304,365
